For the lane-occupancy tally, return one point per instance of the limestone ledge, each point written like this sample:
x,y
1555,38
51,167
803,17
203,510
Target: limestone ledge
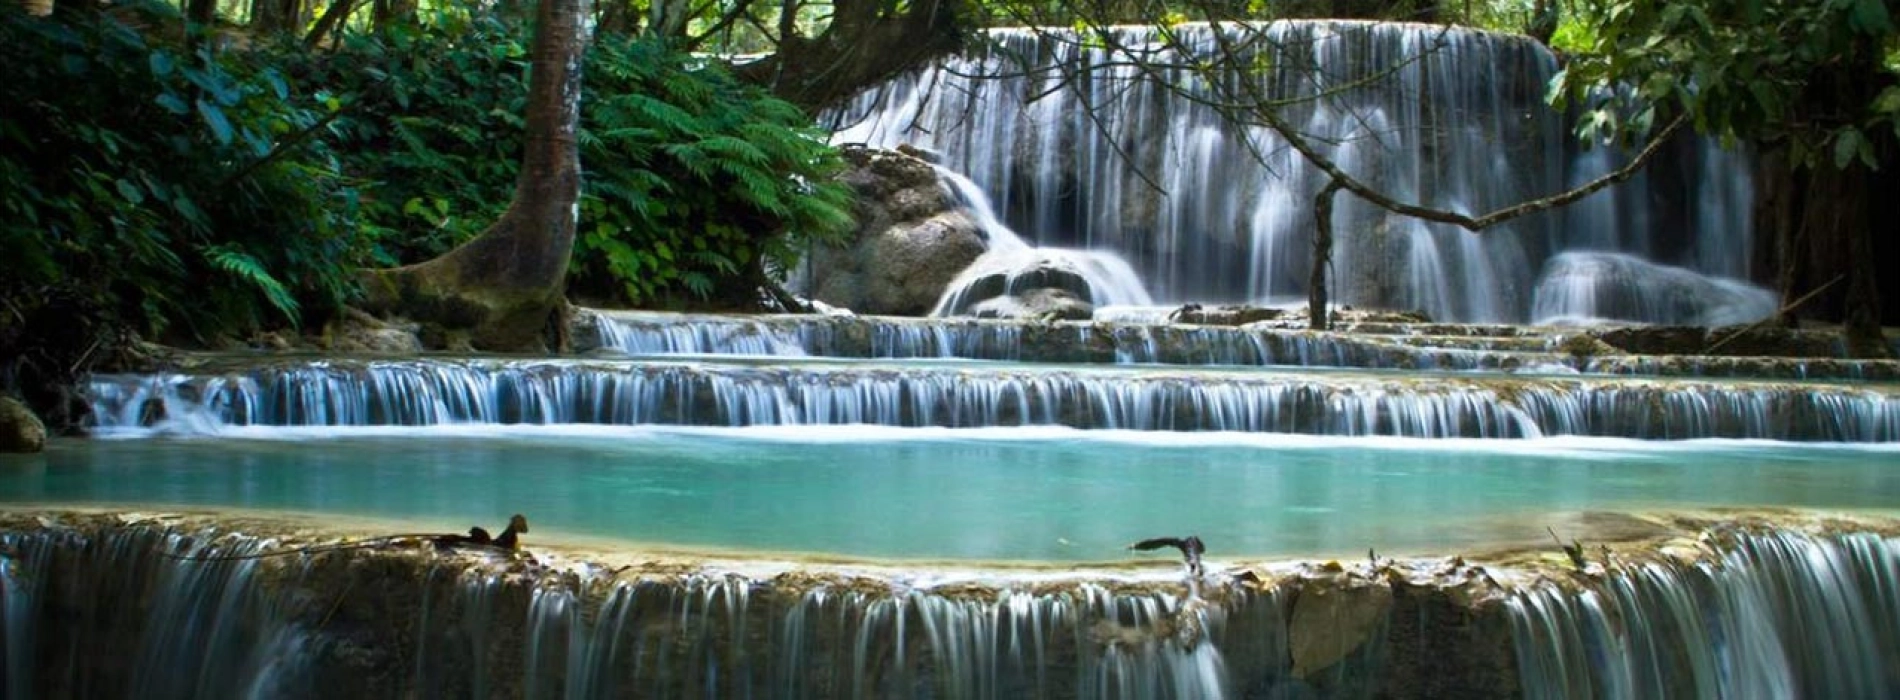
x,y
1611,541
393,621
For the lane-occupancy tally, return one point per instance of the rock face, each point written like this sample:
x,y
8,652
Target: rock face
x,y
911,240
20,430
1330,622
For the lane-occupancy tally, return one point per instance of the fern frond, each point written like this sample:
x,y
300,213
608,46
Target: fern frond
x,y
250,270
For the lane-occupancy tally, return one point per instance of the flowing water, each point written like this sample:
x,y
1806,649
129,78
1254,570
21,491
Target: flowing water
x,y
953,451
735,392
1082,149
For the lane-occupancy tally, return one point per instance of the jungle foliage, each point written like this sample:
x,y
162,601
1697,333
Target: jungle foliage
x,y
195,186
158,187
694,181
695,184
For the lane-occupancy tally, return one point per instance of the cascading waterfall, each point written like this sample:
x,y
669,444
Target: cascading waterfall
x,y
458,628
144,617
1461,347
1778,615
90,613
498,391
1108,278
1084,150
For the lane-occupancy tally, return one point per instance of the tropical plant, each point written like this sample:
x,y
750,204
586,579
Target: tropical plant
x,y
698,183
696,186
169,182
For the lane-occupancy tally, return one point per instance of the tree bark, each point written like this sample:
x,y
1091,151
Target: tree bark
x,y
332,18
1317,318
1821,221
201,12
274,16
500,290
868,42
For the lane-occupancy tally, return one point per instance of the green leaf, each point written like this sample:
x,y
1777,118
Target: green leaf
x,y
161,62
249,269
214,118
277,85
1888,102
130,192
1847,146
1870,17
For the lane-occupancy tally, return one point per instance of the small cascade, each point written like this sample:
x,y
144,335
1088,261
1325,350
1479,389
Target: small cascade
x,y
1011,266
1082,149
1315,403
650,333
1367,346
1776,615
658,333
109,610
145,618
1592,287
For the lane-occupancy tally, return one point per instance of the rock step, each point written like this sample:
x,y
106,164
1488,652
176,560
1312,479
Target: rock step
x,y
962,394
1370,346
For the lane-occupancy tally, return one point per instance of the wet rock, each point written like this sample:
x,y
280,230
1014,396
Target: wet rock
x,y
1331,621
1225,315
357,332
911,240
20,429
1037,304
1758,341
1590,287
1019,277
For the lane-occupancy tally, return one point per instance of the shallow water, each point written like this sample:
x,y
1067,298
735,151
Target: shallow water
x,y
1045,494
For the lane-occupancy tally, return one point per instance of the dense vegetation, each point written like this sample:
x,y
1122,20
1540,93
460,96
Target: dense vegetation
x,y
175,186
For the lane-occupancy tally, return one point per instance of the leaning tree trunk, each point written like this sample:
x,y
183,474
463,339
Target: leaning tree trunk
x,y
500,290
867,43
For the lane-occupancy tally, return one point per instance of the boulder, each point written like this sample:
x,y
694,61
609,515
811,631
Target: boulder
x,y
912,239
20,429
358,332
1041,304
1016,274
1225,315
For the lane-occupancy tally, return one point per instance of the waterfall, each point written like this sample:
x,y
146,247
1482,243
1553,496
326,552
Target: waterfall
x,y
110,612
143,617
1440,347
1778,614
1108,279
102,610
1079,149
425,392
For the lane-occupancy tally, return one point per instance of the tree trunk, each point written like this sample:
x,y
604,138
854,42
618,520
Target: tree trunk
x,y
1821,220
867,43
500,290
1317,317
274,16
387,14
201,12
338,12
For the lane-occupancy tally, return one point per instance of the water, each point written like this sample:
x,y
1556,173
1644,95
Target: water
x,y
733,392
1778,615
1080,150
1005,494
